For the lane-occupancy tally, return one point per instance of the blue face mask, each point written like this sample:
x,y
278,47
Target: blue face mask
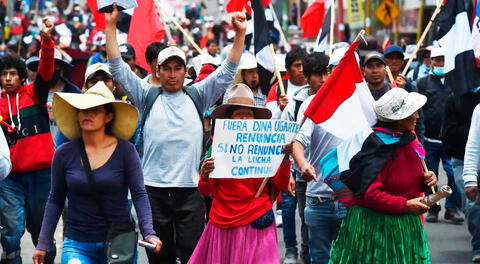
x,y
427,68
438,71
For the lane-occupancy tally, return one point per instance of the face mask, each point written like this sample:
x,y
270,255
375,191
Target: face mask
x,y
427,68
438,71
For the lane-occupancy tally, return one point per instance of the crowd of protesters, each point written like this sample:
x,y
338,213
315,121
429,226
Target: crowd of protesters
x,y
145,135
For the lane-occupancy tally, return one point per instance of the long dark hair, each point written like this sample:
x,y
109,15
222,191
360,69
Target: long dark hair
x,y
109,126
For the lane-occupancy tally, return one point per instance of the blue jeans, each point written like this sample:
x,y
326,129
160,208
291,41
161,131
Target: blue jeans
x,y
323,221
473,223
457,165
83,252
22,201
435,153
289,205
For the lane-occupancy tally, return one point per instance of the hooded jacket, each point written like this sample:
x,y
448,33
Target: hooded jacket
x,y
31,145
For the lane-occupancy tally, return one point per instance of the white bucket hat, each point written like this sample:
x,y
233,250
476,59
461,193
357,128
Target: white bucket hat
x,y
397,104
241,95
247,61
66,106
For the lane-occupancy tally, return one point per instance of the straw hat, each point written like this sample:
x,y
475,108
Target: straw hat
x,y
241,95
66,106
397,104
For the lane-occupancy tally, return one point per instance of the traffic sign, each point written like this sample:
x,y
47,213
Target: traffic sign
x,y
386,12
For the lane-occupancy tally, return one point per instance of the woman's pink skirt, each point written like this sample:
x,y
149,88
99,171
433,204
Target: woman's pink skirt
x,y
242,245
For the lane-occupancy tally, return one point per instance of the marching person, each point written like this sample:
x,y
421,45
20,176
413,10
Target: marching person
x,y
470,178
434,88
24,193
241,227
172,137
97,124
316,71
382,223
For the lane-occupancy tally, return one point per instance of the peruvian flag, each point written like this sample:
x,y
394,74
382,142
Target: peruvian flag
x,y
312,19
455,37
476,33
145,28
344,105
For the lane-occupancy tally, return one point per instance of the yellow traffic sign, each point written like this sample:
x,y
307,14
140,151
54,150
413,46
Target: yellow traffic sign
x,y
386,12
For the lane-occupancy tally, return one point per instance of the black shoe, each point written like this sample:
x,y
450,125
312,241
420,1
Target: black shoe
x,y
453,215
432,217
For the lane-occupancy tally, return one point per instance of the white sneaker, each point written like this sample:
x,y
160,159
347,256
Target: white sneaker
x,y
290,258
278,218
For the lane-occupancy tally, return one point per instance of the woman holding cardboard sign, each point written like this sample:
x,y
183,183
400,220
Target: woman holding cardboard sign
x,y
241,227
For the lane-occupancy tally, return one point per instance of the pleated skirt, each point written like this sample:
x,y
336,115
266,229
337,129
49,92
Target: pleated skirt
x,y
370,237
240,245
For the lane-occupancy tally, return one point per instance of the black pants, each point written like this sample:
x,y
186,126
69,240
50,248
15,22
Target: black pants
x,y
178,219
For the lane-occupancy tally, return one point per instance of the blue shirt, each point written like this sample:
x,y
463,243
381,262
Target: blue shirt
x,y
85,221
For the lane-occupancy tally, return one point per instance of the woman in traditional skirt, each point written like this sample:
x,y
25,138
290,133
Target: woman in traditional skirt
x,y
387,180
241,228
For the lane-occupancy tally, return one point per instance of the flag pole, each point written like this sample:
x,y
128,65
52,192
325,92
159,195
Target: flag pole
x,y
277,72
282,92
282,35
167,26
332,22
390,76
424,34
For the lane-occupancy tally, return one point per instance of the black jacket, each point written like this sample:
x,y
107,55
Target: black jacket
x,y
456,123
436,93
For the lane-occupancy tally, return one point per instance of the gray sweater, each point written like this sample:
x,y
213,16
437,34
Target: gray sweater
x,y
173,132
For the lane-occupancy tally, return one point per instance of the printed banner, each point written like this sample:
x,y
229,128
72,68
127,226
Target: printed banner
x,y
250,148
355,14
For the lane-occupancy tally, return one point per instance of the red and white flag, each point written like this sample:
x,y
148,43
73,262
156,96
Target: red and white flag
x,y
145,28
344,105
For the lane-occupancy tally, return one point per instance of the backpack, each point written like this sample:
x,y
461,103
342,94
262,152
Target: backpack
x,y
152,96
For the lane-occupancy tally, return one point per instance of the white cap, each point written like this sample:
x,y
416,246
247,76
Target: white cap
x,y
170,52
92,69
437,52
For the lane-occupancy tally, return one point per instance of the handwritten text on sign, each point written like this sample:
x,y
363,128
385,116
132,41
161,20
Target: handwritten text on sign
x,y
250,148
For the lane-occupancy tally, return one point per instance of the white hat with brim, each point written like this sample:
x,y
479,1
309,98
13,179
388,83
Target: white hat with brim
x,y
398,104
171,52
94,68
247,62
66,106
241,95
437,52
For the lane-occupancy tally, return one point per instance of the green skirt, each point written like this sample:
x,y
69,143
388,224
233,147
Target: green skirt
x,y
370,237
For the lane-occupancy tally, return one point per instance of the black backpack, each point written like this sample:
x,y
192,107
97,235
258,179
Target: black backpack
x,y
152,96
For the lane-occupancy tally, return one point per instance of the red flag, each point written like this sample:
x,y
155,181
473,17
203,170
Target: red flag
x,y
99,18
344,104
238,5
312,19
145,28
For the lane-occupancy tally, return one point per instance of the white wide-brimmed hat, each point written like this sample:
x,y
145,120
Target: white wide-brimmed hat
x,y
241,95
247,61
66,106
397,104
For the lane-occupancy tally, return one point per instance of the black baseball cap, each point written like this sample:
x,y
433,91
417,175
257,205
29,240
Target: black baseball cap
x,y
374,55
126,51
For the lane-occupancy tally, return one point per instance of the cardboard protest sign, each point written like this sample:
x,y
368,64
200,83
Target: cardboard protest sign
x,y
250,148
106,6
